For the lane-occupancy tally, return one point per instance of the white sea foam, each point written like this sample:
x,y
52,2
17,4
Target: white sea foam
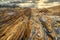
x,y
11,13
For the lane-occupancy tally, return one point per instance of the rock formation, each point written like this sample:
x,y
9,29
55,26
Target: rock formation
x,y
29,21
29,24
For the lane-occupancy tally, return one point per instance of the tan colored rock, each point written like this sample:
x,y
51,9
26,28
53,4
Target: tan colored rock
x,y
29,24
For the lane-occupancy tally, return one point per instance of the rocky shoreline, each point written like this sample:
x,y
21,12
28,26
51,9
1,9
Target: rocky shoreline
x,y
30,23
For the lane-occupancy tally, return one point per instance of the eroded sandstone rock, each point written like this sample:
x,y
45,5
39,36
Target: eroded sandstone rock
x,y
29,24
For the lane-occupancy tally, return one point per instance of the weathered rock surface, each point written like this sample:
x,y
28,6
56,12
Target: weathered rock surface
x,y
29,24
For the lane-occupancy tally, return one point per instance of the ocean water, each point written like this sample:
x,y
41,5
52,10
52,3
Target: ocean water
x,y
40,3
53,0
33,0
